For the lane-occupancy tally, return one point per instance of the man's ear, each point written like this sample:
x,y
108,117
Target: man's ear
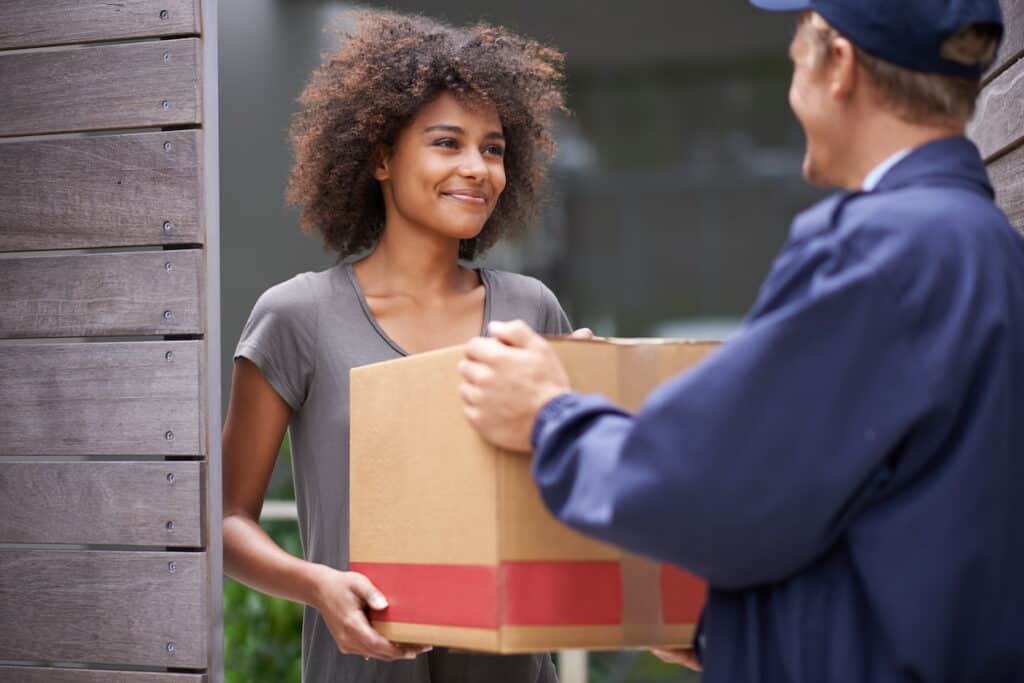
x,y
382,163
843,64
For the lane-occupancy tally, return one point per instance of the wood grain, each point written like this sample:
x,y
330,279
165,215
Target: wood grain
x,y
103,503
26,674
100,87
99,607
999,121
31,23
83,295
106,191
1013,42
1007,175
124,398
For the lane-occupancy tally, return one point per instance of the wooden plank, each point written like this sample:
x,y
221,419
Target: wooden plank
x,y
107,191
30,23
82,295
103,503
211,384
1007,175
100,88
98,607
999,121
30,674
123,398
1013,43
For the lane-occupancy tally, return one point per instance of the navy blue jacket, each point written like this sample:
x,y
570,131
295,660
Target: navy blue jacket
x,y
848,472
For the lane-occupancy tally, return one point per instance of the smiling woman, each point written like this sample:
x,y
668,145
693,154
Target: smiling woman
x,y
387,70
418,144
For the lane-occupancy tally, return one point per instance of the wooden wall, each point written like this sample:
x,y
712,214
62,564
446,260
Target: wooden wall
x,y
109,342
998,126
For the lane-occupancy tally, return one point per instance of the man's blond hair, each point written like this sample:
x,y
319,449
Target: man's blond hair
x,y
915,96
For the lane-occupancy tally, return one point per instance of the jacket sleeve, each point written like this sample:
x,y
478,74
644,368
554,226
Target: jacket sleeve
x,y
747,468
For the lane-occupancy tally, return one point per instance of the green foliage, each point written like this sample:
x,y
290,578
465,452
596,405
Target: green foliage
x,y
262,635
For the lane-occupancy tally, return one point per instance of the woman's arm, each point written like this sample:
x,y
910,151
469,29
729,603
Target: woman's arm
x,y
256,422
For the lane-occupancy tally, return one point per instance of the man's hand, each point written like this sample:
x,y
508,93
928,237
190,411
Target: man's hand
x,y
684,656
508,377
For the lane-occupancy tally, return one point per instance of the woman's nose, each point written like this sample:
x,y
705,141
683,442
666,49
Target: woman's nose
x,y
473,165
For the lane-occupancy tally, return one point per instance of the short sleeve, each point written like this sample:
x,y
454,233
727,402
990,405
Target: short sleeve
x,y
280,339
555,319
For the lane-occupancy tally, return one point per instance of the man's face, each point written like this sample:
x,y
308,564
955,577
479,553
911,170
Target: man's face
x,y
815,109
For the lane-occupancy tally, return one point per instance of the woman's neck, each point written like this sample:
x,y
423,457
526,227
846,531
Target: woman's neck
x,y
413,263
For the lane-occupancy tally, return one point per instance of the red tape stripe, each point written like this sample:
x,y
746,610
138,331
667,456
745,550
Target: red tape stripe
x,y
547,593
562,593
441,594
682,596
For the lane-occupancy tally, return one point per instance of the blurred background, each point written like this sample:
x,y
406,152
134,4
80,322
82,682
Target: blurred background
x,y
676,180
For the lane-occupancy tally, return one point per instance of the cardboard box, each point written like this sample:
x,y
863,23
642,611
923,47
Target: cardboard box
x,y
454,532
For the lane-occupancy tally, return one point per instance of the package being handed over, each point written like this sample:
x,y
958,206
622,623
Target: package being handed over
x,y
454,533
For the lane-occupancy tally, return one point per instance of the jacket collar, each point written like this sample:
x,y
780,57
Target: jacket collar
x,y
949,161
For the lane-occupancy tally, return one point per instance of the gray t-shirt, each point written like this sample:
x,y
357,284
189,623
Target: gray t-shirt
x,y
304,335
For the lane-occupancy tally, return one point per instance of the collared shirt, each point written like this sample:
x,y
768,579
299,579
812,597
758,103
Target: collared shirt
x,y
846,472
872,179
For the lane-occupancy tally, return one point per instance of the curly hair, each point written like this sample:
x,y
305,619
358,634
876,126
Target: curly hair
x,y
362,96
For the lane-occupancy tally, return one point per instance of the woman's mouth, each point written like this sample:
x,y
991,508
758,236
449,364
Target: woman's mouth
x,y
472,197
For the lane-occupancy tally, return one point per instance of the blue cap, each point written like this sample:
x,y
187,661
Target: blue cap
x,y
914,34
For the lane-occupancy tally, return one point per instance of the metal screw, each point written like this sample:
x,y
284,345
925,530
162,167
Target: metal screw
x,y
170,477
168,226
167,147
167,58
171,647
168,266
168,315
165,105
169,356
170,525
164,14
169,436
171,567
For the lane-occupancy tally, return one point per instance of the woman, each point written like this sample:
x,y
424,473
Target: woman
x,y
422,144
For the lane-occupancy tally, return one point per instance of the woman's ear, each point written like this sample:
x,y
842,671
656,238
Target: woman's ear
x,y
382,163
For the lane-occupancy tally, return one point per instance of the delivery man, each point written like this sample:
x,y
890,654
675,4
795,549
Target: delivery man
x,y
847,473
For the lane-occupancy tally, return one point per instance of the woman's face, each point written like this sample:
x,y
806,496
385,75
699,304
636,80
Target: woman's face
x,y
446,169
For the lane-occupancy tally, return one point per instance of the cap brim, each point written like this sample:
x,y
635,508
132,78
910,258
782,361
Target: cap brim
x,y
782,5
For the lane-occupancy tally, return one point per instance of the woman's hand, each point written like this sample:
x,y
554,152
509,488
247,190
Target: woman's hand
x,y
684,656
342,599
583,333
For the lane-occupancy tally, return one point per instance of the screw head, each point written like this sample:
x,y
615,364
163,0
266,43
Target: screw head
x,y
171,567
170,477
171,647
168,315
165,105
168,226
168,266
169,436
167,58
169,355
164,14
167,146
170,525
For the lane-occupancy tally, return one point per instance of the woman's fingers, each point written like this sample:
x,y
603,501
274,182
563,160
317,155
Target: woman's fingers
x,y
362,639
366,591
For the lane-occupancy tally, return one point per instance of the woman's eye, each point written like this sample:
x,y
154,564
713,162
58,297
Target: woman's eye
x,y
449,143
496,150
